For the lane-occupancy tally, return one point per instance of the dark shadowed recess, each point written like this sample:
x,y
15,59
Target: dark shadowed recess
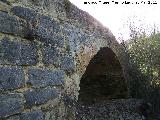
x,y
103,79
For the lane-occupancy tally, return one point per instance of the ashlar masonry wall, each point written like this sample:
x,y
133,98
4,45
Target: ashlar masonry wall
x,y
45,47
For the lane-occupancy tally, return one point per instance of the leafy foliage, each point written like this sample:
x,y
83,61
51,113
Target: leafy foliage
x,y
144,59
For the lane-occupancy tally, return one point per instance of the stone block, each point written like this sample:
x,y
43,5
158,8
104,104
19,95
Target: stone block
x,y
12,25
10,104
11,78
57,40
9,52
73,37
18,53
42,78
34,115
29,54
49,24
67,63
40,96
45,29
41,33
46,21
25,13
48,37
50,55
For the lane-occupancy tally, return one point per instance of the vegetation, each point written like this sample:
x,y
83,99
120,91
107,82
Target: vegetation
x,y
144,58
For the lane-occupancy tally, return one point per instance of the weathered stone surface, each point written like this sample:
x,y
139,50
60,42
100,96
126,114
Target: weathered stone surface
x,y
3,6
49,24
11,25
34,115
76,38
46,22
71,34
50,55
40,96
42,78
48,37
25,13
18,53
67,63
73,41
11,78
10,52
29,54
13,118
45,29
82,38
41,33
58,40
10,104
5,1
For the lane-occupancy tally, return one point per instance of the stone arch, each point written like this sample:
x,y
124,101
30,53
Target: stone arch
x,y
45,48
103,79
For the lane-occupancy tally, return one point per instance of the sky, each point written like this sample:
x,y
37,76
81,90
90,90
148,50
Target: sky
x,y
117,17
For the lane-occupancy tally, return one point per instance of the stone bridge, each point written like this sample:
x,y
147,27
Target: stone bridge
x,y
51,51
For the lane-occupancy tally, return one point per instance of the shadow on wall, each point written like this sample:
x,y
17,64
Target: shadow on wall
x,y
103,79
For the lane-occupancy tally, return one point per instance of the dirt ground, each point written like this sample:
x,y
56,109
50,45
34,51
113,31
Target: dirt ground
x,y
122,109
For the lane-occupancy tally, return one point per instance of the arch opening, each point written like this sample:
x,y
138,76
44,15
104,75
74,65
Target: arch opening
x,y
103,79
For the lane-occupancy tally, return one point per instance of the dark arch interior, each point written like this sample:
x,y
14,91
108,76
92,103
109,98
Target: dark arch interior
x,y
103,79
